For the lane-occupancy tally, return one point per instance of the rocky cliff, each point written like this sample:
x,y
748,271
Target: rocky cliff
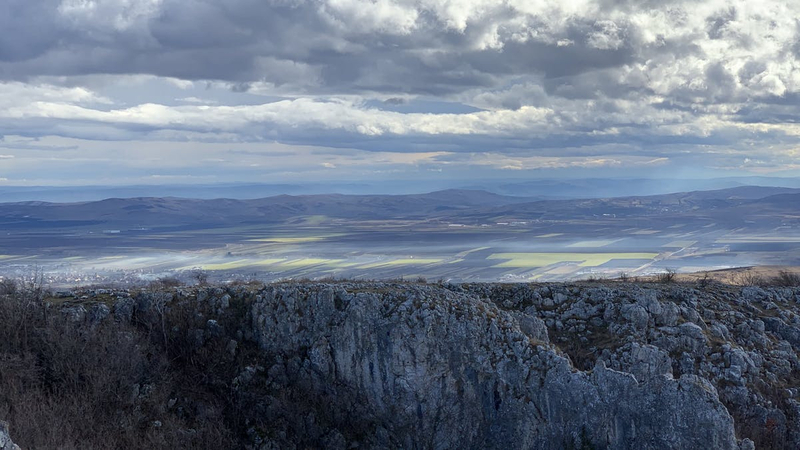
x,y
436,368
414,365
5,439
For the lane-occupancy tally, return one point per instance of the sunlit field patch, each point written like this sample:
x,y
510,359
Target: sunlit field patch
x,y
594,243
525,260
268,261
304,262
226,266
402,262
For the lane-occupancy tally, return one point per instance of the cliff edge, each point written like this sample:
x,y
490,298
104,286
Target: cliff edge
x,y
413,365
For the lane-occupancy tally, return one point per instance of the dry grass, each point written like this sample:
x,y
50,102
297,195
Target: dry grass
x,y
741,276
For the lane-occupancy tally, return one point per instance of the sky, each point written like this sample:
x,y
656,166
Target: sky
x,y
118,92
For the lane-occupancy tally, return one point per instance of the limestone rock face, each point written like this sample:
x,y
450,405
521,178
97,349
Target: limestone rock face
x,y
745,342
442,369
606,365
5,439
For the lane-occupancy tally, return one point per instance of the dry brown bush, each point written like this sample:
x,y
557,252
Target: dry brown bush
x,y
786,279
67,384
668,276
749,278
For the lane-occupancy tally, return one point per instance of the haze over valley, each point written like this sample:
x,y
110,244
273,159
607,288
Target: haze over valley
x,y
455,235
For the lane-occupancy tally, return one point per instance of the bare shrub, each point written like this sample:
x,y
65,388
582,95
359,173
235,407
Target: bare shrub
x,y
593,279
668,276
786,279
8,287
705,281
66,383
200,276
749,278
252,283
164,283
329,279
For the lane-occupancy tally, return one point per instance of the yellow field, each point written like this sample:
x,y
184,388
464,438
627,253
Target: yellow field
x,y
283,263
314,220
528,260
268,261
239,263
304,262
594,244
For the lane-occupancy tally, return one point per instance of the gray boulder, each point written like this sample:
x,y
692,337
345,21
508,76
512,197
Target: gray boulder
x,y
5,439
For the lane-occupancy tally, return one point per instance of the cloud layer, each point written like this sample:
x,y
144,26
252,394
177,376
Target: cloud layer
x,y
487,86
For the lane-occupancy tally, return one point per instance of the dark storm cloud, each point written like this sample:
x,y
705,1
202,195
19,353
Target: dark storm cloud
x,y
608,81
249,41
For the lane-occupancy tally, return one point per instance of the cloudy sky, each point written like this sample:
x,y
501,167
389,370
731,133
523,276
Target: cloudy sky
x,y
206,91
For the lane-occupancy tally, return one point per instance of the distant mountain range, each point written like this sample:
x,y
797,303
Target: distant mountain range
x,y
770,204
169,211
542,188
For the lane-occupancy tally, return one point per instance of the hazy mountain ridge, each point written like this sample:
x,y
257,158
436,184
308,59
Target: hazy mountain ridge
x,y
734,201
543,188
453,234
453,204
156,211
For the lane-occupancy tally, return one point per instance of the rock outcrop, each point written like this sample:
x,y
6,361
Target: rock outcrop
x,y
434,368
542,366
743,341
5,440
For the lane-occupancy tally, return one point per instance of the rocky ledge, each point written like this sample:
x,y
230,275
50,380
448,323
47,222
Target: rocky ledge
x,y
547,366
5,439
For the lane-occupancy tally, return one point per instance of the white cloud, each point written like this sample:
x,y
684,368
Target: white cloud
x,y
117,14
545,75
368,16
15,93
